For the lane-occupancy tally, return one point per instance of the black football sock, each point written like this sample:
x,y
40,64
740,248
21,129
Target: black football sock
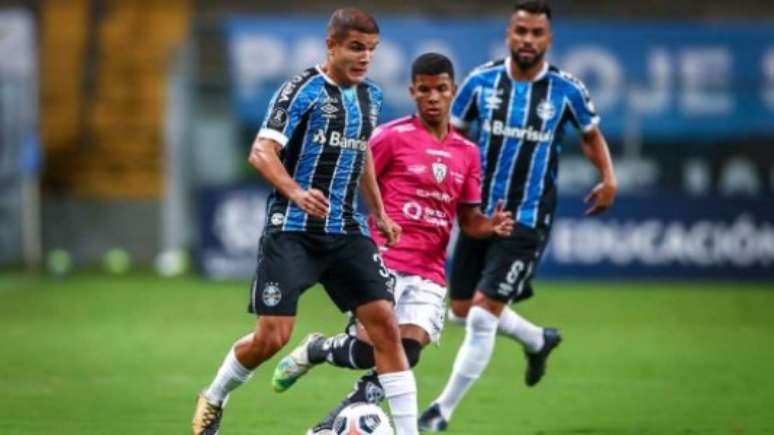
x,y
343,350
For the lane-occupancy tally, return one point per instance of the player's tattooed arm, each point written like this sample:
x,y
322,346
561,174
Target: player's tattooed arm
x,y
373,198
264,157
597,152
477,225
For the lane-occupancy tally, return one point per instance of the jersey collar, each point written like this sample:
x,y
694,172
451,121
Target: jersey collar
x,y
420,126
541,74
329,80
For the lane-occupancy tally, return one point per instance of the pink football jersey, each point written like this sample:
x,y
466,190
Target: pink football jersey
x,y
422,180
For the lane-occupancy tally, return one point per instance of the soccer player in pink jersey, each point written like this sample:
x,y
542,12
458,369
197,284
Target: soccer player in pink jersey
x,y
428,174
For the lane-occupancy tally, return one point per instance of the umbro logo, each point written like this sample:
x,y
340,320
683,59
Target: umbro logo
x,y
329,110
492,99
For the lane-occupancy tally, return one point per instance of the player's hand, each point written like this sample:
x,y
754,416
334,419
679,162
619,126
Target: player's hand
x,y
389,229
601,198
311,201
502,221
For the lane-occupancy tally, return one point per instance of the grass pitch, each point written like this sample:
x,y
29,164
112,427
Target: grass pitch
x,y
93,354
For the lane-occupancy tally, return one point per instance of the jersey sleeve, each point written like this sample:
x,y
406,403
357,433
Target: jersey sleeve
x,y
286,109
584,114
381,149
464,107
377,97
471,190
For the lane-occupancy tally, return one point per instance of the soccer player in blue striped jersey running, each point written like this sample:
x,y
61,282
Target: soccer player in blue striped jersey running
x,y
313,149
521,105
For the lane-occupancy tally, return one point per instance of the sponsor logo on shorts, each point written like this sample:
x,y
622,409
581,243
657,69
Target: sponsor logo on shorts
x,y
272,295
277,219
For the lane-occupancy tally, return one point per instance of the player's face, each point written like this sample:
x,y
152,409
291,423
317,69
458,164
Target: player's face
x,y
350,58
528,37
433,95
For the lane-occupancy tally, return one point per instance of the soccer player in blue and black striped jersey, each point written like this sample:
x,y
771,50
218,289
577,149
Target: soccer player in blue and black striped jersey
x,y
521,105
313,149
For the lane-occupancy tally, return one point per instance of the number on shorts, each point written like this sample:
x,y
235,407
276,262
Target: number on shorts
x,y
382,268
513,274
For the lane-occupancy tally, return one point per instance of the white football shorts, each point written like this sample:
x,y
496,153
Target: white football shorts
x,y
421,302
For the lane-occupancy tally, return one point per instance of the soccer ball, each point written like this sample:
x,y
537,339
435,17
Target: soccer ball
x,y
362,419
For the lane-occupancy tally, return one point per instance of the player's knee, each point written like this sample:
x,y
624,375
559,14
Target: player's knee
x,y
384,334
268,344
481,321
460,308
413,350
382,328
487,303
270,339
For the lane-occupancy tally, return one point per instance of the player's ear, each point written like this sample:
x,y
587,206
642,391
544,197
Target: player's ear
x,y
453,89
330,43
509,26
412,90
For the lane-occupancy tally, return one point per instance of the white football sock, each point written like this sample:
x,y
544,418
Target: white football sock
x,y
230,375
472,358
400,390
521,329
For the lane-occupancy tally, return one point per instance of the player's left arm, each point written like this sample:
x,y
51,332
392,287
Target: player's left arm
x,y
479,226
373,198
594,145
597,152
472,222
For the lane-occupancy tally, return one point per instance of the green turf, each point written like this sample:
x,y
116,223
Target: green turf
x,y
102,355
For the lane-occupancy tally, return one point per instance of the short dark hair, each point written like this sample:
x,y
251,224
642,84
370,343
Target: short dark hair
x,y
346,20
432,64
533,7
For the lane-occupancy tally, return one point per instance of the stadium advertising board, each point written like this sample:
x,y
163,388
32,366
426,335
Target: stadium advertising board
x,y
661,235
657,236
230,221
667,80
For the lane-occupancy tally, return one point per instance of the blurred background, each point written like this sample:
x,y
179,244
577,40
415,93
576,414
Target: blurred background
x,y
126,125
124,132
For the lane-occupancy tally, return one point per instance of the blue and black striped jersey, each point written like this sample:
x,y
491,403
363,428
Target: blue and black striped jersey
x,y
324,131
520,133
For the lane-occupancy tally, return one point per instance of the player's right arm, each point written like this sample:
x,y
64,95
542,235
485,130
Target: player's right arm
x,y
377,159
464,109
288,106
264,156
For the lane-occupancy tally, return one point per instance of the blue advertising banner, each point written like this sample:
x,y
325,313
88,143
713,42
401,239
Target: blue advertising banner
x,y
664,80
658,236
230,224
664,236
